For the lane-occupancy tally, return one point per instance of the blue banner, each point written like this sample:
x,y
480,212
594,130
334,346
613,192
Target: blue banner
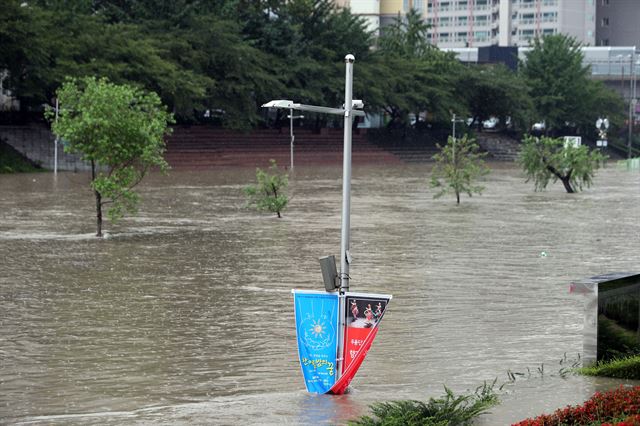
x,y
317,330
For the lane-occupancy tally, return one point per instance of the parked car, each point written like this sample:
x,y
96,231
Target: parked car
x,y
491,123
539,126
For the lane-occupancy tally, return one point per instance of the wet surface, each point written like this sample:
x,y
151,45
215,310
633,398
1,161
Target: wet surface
x,y
184,315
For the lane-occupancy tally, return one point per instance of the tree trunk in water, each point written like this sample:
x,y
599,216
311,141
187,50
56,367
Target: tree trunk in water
x,y
98,202
457,197
567,184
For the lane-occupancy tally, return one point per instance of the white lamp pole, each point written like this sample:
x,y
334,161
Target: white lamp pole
x,y
293,138
55,146
351,109
345,257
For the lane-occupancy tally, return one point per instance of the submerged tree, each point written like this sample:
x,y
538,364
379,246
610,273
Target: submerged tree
x,y
546,158
120,130
268,193
458,166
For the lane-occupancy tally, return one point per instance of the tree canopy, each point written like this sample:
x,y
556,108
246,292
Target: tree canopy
x,y
545,159
560,88
227,57
120,130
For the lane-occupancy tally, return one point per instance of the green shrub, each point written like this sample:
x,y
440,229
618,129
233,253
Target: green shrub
x,y
268,193
623,368
448,410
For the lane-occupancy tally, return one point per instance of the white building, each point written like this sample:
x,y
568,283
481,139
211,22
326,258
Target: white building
x,y
475,23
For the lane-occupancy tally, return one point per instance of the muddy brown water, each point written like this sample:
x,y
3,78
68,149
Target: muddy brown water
x,y
183,315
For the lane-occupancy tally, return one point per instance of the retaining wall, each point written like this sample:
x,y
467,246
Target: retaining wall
x,y
36,142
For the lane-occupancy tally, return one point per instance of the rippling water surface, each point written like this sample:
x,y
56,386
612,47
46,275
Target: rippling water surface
x,y
183,314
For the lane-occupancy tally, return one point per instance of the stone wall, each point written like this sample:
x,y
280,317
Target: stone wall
x,y
499,147
36,142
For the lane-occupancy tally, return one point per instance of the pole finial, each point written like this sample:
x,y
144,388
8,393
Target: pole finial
x,y
350,58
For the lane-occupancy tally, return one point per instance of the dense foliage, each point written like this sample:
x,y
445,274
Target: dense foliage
x,y
458,165
622,368
602,408
448,410
564,96
544,159
120,130
219,60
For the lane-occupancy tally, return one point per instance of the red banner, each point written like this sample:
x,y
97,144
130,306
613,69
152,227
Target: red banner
x,y
363,314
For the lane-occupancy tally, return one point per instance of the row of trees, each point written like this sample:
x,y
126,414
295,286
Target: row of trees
x,y
230,56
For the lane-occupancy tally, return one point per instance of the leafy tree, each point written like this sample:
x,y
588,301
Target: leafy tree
x,y
547,158
267,194
412,75
494,90
120,130
458,166
562,93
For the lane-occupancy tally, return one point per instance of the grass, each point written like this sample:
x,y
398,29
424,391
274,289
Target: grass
x,y
11,161
622,368
448,410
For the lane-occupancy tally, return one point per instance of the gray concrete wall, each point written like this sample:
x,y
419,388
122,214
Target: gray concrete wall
x,y
36,142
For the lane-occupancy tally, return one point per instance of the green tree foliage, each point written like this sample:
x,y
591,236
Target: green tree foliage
x,y
458,166
414,76
231,56
562,93
544,159
494,90
120,130
268,193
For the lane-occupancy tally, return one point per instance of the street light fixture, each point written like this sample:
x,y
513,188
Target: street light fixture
x,y
353,109
291,117
350,109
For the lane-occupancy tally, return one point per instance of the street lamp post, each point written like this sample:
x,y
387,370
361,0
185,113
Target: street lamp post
x,y
632,100
351,108
291,117
55,145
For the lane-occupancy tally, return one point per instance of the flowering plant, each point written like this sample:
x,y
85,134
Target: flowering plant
x,y
620,406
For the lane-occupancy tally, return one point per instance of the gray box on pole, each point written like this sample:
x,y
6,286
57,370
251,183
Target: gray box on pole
x,y
329,272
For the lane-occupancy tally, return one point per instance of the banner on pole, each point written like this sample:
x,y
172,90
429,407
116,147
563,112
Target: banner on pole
x,y
317,315
363,314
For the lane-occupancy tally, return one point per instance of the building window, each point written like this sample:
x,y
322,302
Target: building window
x,y
548,31
526,34
605,2
604,42
527,18
605,22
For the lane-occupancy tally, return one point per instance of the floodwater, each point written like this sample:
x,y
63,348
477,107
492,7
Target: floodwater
x,y
183,314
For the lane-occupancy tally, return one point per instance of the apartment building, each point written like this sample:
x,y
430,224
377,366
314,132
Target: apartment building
x,y
379,13
475,23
